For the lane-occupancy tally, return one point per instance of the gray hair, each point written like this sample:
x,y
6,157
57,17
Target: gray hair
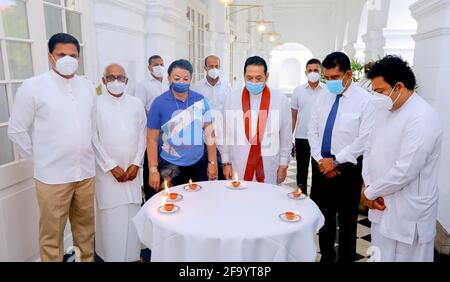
x,y
114,65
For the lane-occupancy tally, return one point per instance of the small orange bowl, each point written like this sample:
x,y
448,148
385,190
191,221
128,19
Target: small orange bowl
x,y
236,184
193,186
296,194
290,215
169,207
173,196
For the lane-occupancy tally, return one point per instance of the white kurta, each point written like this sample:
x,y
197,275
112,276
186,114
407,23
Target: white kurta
x,y
119,140
277,141
401,165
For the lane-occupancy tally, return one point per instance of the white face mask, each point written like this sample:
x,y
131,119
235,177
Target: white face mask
x,y
388,104
214,73
67,65
313,77
158,71
116,87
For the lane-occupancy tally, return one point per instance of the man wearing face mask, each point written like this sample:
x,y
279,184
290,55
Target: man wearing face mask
x,y
302,102
340,124
257,130
57,107
215,89
153,86
119,153
179,131
147,91
401,165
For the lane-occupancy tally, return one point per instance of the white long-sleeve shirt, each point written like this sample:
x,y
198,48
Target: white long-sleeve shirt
x,y
277,141
401,165
58,113
354,121
119,140
215,95
150,88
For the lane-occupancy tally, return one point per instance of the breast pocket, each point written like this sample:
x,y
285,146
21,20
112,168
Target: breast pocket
x,y
349,123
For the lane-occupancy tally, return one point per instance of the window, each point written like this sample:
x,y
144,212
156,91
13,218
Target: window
x,y
64,16
16,64
196,42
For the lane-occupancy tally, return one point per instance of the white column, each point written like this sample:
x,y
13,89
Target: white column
x,y
167,29
400,28
374,38
431,64
355,14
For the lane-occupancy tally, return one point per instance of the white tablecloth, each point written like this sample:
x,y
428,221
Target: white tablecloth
x,y
222,225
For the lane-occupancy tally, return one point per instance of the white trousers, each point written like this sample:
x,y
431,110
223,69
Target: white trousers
x,y
395,251
116,239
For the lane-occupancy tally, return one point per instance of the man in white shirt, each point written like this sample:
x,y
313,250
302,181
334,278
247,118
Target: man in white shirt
x,y
257,129
119,152
147,91
341,121
302,102
57,109
401,166
215,89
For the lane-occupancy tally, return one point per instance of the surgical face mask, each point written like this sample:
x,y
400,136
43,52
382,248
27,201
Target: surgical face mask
x,y
67,65
181,87
388,104
214,73
336,86
255,88
116,87
158,71
313,77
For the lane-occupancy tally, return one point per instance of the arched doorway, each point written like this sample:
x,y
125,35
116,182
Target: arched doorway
x,y
287,66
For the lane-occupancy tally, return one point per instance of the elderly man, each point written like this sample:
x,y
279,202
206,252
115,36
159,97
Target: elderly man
x,y
215,89
258,129
57,108
119,143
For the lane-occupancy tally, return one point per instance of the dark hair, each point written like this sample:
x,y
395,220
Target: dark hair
x,y
181,64
154,57
368,66
394,70
62,38
255,61
314,62
337,59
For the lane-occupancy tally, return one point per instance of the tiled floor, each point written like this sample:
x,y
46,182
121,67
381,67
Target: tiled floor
x,y
363,232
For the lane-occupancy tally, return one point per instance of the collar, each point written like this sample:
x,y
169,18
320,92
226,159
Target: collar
x,y
60,78
349,91
217,84
321,85
114,99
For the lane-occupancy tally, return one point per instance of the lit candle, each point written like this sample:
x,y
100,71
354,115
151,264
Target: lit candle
x,y
167,207
192,185
297,193
236,182
290,215
172,196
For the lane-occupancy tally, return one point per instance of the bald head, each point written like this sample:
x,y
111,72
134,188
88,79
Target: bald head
x,y
114,69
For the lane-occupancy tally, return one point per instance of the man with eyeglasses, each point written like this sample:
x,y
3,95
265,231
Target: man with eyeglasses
x,y
119,144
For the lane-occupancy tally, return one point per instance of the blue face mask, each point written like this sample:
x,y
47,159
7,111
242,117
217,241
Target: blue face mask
x,y
255,88
181,87
335,86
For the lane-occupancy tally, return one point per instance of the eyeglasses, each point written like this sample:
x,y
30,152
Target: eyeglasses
x,y
111,78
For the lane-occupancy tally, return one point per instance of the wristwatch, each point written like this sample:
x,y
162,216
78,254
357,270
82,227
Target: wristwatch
x,y
226,164
153,169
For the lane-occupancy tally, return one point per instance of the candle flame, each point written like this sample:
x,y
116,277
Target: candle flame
x,y
236,178
166,188
190,182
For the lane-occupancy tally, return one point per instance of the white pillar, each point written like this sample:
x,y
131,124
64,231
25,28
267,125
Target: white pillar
x,y
374,38
431,64
167,29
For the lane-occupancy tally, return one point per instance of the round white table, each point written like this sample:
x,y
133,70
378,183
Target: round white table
x,y
223,225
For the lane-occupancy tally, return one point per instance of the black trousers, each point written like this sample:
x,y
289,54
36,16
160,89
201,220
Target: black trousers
x,y
148,191
182,174
338,196
303,156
